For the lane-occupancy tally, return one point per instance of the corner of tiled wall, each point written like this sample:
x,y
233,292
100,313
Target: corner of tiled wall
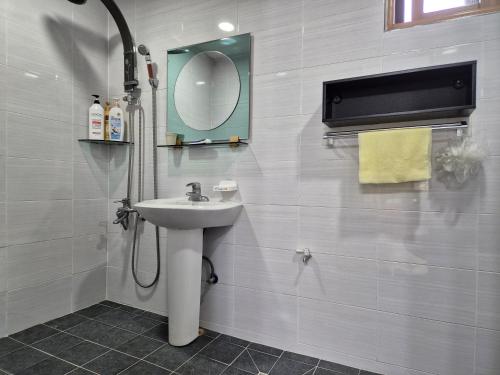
x,y
53,189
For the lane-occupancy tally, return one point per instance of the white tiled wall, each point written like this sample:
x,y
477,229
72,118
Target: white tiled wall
x,y
53,190
401,282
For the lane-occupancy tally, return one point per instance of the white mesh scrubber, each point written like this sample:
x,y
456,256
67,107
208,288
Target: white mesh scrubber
x,y
460,160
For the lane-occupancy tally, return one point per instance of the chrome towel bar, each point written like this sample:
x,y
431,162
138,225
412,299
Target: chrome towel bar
x,y
353,133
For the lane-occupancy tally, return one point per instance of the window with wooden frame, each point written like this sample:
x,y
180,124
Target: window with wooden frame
x,y
405,13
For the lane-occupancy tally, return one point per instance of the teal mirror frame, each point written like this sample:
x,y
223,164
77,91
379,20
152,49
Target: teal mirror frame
x,y
238,48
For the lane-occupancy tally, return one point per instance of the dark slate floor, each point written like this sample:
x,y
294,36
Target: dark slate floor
x,y
109,338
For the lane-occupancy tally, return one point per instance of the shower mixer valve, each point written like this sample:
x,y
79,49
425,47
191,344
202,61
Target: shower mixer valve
x,y
306,254
123,212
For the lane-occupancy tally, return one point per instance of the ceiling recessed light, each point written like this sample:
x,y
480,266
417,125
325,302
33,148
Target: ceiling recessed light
x,y
226,26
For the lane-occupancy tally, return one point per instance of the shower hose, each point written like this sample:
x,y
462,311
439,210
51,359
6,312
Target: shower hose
x,y
140,184
212,278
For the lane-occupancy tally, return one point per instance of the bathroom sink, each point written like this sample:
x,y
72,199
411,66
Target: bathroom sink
x,y
185,221
180,213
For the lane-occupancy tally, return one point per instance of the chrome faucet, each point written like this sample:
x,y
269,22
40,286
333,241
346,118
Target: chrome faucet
x,y
195,194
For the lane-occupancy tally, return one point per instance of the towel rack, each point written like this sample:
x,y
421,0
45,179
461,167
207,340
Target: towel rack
x,y
352,133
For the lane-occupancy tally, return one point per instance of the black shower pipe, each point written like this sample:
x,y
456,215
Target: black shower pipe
x,y
129,53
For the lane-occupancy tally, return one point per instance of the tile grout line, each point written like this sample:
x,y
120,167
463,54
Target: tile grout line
x,y
47,353
86,340
198,352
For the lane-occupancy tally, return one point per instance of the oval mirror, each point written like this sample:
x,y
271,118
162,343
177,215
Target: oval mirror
x,y
207,90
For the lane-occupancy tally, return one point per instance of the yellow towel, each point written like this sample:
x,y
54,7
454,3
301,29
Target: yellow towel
x,y
393,156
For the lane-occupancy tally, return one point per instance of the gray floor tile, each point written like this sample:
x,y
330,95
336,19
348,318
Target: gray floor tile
x,y
80,371
65,322
153,316
244,362
57,343
144,368
322,371
265,349
109,338
94,311
51,366
111,304
34,334
255,362
233,340
131,310
201,365
263,361
199,343
170,357
21,359
8,345
290,367
140,346
138,324
101,333
233,370
82,353
110,363
114,317
159,332
213,334
222,350
338,368
301,358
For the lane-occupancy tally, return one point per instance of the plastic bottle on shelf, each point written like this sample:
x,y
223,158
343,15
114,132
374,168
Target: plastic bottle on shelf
x,y
96,120
116,122
107,108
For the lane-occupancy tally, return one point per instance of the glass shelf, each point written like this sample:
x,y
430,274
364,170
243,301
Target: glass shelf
x,y
102,142
213,144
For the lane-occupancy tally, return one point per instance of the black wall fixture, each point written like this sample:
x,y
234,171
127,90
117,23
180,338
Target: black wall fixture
x,y
442,91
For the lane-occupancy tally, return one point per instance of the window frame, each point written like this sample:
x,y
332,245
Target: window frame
x,y
421,18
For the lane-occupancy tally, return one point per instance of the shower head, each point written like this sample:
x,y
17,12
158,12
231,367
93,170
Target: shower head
x,y
78,2
143,50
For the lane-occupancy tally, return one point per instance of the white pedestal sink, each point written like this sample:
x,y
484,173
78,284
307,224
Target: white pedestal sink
x,y
185,221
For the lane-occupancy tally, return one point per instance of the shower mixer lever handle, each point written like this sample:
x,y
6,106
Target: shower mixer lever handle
x,y
196,187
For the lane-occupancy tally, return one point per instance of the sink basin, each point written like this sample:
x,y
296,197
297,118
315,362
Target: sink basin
x,y
185,221
180,213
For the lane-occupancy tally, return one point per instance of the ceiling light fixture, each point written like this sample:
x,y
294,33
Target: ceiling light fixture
x,y
226,26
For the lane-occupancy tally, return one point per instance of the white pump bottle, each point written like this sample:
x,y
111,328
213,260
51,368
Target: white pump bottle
x,y
116,122
96,120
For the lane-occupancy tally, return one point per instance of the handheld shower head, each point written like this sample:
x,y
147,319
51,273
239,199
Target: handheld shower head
x,y
143,50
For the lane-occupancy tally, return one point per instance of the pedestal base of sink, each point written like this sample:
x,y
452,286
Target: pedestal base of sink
x,y
184,263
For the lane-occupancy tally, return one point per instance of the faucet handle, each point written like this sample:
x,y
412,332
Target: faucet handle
x,y
196,188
